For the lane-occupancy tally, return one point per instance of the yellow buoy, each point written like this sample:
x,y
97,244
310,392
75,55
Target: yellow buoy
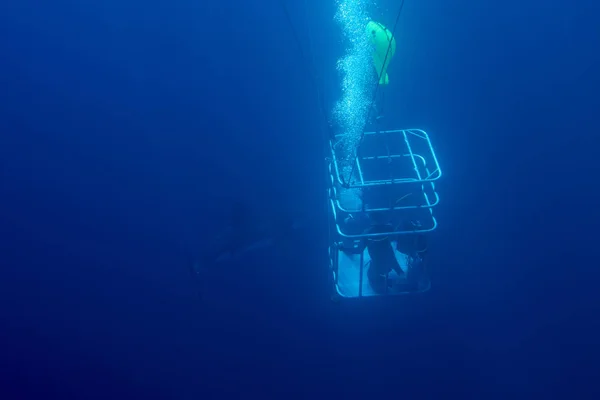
x,y
381,37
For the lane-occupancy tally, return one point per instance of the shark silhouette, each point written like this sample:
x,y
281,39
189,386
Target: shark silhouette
x,y
242,235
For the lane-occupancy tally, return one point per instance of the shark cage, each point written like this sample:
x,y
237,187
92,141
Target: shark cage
x,y
381,190
381,203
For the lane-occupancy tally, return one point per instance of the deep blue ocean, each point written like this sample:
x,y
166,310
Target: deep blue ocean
x,y
128,128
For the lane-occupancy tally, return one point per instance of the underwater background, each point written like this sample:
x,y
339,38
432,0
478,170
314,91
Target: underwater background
x,y
127,128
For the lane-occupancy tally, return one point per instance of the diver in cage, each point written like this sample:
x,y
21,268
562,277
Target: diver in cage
x,y
414,246
381,252
354,224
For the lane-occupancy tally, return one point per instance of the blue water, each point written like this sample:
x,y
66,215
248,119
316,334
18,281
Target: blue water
x,y
128,127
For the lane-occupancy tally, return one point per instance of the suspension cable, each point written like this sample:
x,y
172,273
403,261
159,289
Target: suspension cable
x,y
362,135
309,66
309,70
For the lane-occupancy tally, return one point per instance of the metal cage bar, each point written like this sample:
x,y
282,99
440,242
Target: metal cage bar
x,y
414,178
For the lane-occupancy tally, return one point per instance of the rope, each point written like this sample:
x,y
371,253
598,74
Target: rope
x,y
362,136
313,76
310,72
310,69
